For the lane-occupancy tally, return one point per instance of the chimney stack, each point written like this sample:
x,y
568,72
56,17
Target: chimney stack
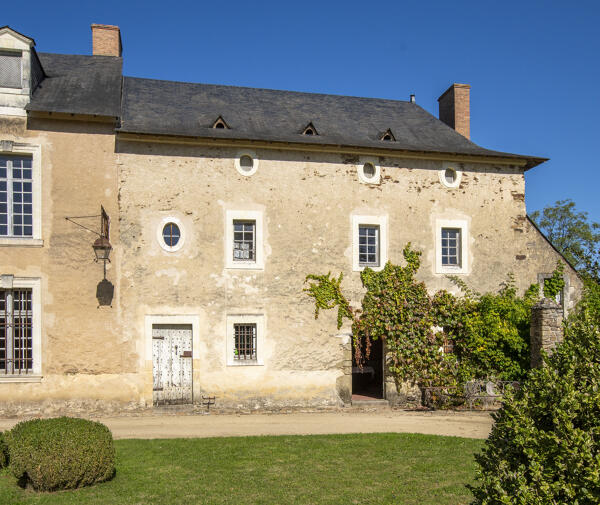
x,y
106,40
455,108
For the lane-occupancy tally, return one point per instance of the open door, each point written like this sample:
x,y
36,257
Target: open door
x,y
367,382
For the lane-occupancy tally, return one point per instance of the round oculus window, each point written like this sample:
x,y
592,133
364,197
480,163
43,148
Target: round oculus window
x,y
450,175
369,170
246,163
171,234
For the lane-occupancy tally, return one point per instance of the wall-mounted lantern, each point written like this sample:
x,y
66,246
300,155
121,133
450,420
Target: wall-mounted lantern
x,y
102,246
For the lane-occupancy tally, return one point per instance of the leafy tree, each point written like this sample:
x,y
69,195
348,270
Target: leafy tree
x,y
544,447
572,234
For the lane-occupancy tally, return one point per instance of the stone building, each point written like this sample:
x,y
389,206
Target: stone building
x,y
218,202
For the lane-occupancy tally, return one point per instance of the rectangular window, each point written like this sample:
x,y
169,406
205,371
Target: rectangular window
x,y
16,196
245,342
10,70
368,245
244,240
16,331
451,244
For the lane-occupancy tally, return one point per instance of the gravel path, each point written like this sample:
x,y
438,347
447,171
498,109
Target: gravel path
x,y
460,424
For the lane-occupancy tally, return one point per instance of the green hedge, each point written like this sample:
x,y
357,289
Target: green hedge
x,y
60,453
3,451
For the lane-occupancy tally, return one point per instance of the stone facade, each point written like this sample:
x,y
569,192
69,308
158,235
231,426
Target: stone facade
x,y
546,329
96,355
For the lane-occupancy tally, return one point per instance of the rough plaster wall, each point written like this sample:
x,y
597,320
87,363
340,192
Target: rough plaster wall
x,y
98,356
84,355
307,200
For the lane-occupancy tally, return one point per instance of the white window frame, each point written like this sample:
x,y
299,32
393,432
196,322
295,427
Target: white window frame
x,y
35,152
244,215
377,220
259,321
159,234
457,171
238,167
463,226
363,179
35,284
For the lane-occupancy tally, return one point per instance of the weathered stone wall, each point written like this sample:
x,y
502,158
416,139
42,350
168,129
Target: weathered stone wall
x,y
307,200
99,357
85,358
546,329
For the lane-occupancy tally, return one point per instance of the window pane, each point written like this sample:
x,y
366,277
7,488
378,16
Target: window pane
x,y
244,240
451,254
245,341
368,245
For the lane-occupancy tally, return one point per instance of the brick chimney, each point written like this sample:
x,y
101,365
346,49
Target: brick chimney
x,y
106,40
455,108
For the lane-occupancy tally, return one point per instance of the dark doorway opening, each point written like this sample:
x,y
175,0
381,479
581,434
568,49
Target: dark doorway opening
x,y
367,382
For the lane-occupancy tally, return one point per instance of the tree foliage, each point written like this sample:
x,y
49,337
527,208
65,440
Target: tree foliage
x,y
545,443
572,234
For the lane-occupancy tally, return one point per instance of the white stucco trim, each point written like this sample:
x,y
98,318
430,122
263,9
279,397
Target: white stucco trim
x,y
35,151
244,215
13,111
35,284
376,179
189,319
159,233
238,167
259,320
463,225
375,220
442,174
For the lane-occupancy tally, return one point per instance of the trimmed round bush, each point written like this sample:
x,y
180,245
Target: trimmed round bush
x,y
60,453
545,444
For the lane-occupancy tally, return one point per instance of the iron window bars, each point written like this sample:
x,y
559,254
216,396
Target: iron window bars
x,y
368,246
16,331
451,254
16,196
244,240
245,341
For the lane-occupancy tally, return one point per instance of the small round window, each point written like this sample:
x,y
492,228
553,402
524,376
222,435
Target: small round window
x,y
369,170
246,163
171,234
450,175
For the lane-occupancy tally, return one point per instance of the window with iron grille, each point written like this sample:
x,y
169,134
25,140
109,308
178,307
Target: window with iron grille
x,y
16,331
245,342
10,70
244,240
451,253
368,245
16,196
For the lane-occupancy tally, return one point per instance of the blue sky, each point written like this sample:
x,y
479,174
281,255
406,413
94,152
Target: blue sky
x,y
533,65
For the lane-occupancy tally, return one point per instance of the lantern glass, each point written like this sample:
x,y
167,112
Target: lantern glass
x,y
102,249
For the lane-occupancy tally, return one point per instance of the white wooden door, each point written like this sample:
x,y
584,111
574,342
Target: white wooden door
x,y
172,364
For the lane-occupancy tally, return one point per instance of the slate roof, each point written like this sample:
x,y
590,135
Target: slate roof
x,y
79,84
186,109
94,85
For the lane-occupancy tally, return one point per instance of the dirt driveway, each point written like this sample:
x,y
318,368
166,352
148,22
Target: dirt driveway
x,y
460,424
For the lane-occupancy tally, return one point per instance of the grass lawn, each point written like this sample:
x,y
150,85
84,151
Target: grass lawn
x,y
319,469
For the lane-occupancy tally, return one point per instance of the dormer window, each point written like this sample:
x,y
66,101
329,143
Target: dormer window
x,y
220,124
310,130
10,69
388,136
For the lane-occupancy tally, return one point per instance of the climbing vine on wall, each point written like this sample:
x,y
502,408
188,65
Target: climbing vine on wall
x,y
327,294
489,332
